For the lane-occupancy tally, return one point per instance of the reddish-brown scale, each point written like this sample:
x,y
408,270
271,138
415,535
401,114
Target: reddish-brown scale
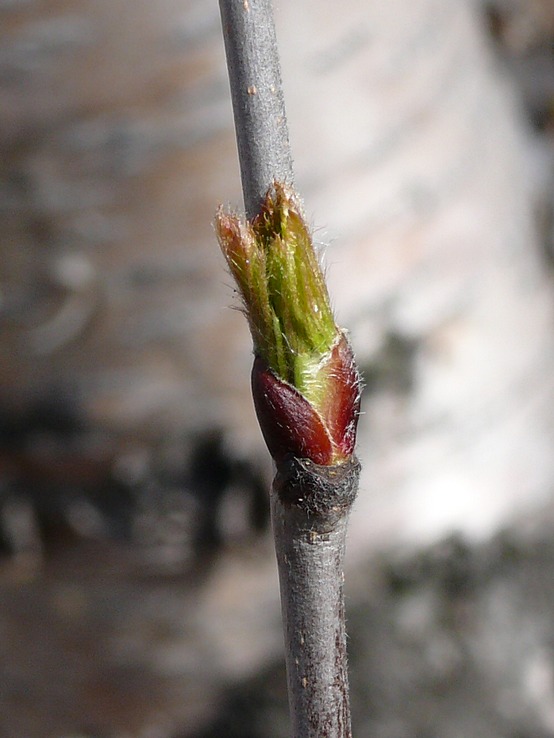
x,y
340,407
288,422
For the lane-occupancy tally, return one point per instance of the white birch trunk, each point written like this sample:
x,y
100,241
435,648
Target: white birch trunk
x,y
117,144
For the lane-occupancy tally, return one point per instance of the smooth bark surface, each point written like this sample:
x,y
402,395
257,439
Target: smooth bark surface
x,y
310,546
258,105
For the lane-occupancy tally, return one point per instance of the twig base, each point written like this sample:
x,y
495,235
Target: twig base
x,y
310,543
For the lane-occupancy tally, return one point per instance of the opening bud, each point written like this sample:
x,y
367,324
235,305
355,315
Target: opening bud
x,y
305,383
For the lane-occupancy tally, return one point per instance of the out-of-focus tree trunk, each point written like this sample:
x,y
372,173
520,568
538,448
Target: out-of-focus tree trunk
x,y
116,144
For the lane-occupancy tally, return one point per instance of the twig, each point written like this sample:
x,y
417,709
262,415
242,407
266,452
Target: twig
x,y
257,94
309,426
310,550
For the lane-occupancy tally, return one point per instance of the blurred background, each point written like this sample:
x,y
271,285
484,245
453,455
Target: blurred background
x,y
138,591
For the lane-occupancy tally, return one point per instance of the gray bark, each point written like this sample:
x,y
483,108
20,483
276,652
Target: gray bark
x,y
310,545
311,562
257,93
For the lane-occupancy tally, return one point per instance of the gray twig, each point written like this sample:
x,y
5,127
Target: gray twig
x,y
309,503
310,543
257,94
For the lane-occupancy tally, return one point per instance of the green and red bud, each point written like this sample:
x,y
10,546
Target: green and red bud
x,y
305,383
292,425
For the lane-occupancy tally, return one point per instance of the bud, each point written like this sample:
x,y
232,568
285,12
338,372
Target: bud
x,y
305,383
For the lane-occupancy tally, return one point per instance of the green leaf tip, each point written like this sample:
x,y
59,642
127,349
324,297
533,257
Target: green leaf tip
x,y
278,275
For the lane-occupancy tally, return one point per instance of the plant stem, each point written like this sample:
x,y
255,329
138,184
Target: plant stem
x,y
310,503
257,94
310,550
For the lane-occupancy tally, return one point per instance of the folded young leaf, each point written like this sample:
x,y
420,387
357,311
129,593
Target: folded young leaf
x,y
305,383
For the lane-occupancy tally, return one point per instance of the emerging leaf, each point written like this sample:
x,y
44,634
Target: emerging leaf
x,y
305,383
